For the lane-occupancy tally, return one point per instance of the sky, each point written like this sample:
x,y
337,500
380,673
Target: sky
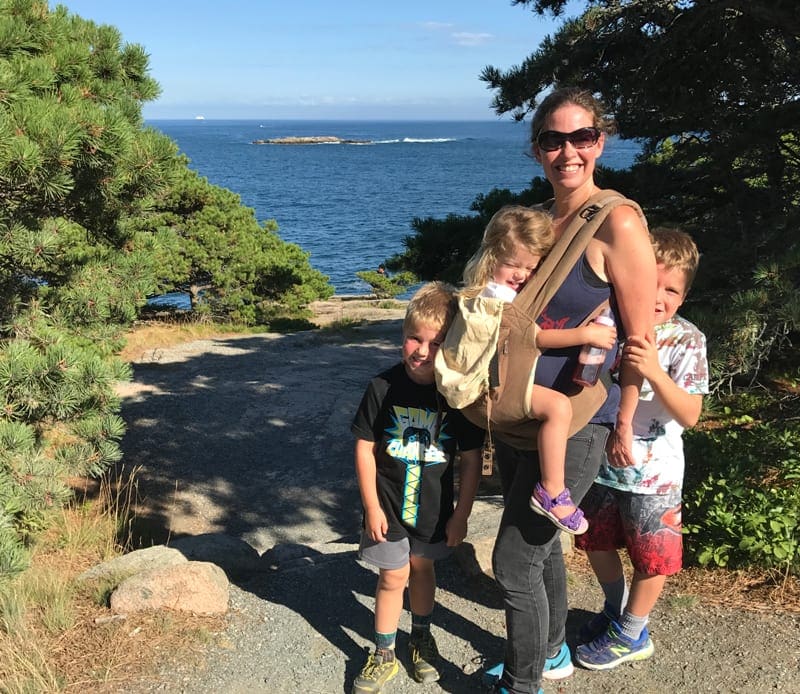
x,y
323,59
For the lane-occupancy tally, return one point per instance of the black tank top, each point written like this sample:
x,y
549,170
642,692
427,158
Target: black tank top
x,y
581,292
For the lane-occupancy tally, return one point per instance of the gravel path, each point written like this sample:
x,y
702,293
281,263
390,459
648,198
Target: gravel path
x,y
249,437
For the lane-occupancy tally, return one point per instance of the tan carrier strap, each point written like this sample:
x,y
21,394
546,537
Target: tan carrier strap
x,y
535,295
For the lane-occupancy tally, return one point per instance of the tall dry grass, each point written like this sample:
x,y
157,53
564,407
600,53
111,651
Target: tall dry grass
x,y
56,631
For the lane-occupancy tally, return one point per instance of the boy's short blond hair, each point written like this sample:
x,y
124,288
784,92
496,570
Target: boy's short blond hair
x,y
433,305
674,248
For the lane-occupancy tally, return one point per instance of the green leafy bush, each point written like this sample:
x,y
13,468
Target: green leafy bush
x,y
742,495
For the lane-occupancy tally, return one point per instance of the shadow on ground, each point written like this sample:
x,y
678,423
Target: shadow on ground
x,y
249,436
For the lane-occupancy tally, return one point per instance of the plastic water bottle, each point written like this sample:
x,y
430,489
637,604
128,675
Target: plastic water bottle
x,y
591,359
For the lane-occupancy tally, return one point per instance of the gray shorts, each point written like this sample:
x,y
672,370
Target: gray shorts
x,y
395,555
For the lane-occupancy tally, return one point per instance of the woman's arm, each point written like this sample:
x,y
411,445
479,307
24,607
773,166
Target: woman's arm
x,y
624,245
685,407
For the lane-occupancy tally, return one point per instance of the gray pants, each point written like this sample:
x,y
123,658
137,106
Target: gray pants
x,y
528,563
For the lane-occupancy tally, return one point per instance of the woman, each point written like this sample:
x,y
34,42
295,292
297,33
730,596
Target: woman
x,y
567,138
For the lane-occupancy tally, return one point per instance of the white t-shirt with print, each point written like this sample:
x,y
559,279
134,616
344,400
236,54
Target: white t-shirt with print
x,y
657,436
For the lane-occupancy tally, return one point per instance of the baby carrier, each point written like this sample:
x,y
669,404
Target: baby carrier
x,y
492,387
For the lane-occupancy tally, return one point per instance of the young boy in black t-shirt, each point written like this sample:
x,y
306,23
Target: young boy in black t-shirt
x,y
406,440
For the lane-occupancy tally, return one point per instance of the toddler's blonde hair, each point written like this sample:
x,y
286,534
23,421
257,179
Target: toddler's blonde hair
x,y
511,226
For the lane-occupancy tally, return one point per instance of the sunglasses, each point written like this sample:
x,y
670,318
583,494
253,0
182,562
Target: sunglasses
x,y
582,138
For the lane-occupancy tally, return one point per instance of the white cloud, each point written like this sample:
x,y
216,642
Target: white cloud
x,y
465,38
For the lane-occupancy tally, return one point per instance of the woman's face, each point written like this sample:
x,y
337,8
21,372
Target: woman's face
x,y
569,167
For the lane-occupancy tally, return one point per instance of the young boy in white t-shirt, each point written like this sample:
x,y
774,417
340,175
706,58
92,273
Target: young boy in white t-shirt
x,y
639,507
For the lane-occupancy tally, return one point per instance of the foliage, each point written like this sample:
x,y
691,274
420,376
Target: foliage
x,y
741,495
758,325
98,212
73,167
209,244
385,286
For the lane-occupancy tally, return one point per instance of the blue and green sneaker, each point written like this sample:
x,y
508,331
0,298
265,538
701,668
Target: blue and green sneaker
x,y
613,648
598,624
560,665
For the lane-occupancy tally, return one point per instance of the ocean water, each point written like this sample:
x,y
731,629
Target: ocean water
x,y
351,205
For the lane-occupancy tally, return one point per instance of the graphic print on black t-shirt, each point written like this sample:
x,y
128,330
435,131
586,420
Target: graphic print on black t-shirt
x,y
412,440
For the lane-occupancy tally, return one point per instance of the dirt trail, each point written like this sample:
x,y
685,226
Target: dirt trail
x,y
249,437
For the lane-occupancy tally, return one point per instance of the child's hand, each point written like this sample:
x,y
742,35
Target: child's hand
x,y
376,524
643,358
455,530
601,336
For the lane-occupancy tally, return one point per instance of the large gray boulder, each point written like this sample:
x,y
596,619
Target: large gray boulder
x,y
197,587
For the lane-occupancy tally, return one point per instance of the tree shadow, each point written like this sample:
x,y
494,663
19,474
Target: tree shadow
x,y
250,436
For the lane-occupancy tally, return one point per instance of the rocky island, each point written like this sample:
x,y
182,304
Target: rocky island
x,y
312,140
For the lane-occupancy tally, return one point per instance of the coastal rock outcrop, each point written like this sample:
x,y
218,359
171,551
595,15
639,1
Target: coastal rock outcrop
x,y
311,140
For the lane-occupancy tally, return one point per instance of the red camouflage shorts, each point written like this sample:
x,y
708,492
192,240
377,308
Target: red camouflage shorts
x,y
648,526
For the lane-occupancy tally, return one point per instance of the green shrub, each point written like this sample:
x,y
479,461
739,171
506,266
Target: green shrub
x,y
742,496
386,287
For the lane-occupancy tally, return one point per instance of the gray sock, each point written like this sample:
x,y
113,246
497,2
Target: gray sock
x,y
632,625
616,594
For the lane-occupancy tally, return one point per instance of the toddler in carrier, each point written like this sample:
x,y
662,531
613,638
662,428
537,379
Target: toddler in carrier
x,y
514,242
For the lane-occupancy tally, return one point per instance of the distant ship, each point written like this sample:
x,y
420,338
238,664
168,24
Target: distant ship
x,y
199,117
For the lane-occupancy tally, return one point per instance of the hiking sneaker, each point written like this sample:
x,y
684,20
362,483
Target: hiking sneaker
x,y
612,648
377,671
597,625
558,667
424,654
492,675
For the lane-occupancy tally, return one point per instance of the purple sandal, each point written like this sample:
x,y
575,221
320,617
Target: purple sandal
x,y
542,503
